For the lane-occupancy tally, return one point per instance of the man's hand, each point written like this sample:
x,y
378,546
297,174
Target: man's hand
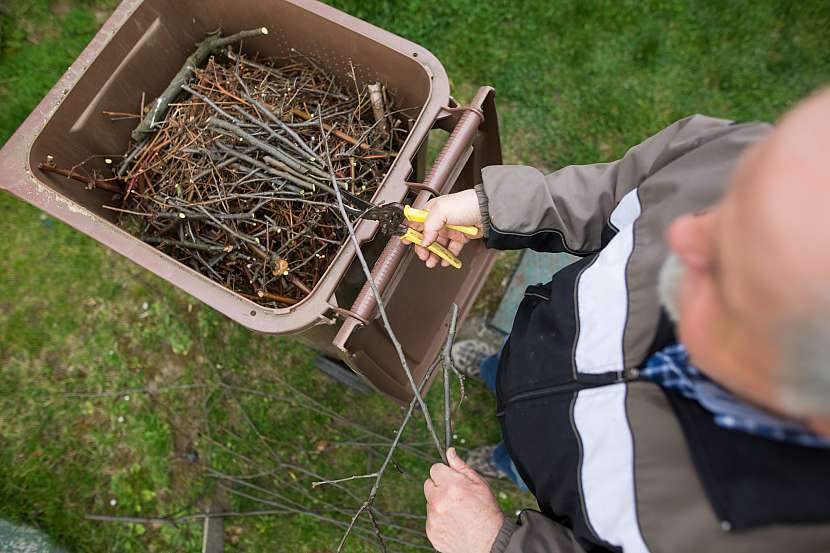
x,y
462,513
460,208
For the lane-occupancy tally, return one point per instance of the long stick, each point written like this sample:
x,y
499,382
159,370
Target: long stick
x,y
367,505
447,369
381,307
209,45
376,485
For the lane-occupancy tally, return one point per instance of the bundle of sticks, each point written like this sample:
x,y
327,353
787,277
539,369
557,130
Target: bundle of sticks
x,y
234,179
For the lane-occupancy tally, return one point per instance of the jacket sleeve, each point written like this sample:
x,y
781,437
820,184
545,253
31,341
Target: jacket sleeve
x,y
535,533
567,210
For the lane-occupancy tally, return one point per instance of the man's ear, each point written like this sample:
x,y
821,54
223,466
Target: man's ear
x,y
819,425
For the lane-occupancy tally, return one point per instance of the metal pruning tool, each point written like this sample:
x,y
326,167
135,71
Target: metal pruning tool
x,y
393,219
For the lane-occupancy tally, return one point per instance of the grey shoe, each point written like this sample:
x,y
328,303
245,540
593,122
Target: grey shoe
x,y
467,356
481,460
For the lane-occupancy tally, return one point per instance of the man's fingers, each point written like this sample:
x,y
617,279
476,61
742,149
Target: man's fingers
x,y
438,472
425,255
429,489
455,249
435,222
434,259
422,253
458,236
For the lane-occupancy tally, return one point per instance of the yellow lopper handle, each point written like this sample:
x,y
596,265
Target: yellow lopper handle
x,y
416,237
420,215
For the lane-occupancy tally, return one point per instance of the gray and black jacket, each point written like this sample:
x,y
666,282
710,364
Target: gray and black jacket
x,y
619,464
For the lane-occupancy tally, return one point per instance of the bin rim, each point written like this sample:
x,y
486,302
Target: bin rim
x,y
18,177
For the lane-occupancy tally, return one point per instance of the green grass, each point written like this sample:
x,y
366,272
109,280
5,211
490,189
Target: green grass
x,y
581,81
577,82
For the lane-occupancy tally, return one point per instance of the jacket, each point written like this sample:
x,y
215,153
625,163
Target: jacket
x,y
618,464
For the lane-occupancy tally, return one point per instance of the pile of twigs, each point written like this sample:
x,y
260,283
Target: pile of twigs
x,y
234,181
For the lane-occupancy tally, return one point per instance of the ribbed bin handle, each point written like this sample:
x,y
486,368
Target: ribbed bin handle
x,y
445,165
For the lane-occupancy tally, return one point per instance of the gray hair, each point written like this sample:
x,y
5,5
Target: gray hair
x,y
668,284
805,365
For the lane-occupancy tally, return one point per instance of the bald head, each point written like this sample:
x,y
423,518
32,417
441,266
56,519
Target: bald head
x,y
794,199
754,296
782,195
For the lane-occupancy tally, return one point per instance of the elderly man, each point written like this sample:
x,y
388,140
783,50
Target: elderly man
x,y
701,426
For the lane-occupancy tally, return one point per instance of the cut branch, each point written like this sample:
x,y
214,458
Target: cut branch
x,y
90,182
204,49
305,116
378,109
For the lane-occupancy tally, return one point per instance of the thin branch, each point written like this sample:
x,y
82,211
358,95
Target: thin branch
x,y
376,528
381,307
128,391
173,521
376,485
274,151
90,182
310,403
318,516
367,505
355,477
339,134
447,369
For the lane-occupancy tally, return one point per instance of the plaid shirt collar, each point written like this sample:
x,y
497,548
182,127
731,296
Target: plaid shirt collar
x,y
670,368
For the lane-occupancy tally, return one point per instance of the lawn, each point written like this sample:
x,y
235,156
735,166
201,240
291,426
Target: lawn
x,y
117,391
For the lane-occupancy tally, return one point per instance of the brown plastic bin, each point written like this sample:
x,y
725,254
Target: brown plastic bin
x,y
139,50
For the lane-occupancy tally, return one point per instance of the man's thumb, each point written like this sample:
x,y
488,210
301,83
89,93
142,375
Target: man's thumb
x,y
457,464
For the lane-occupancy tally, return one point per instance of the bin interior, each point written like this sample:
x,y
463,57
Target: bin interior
x,y
151,47
141,48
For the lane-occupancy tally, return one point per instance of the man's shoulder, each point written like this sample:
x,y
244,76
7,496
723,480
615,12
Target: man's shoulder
x,y
673,492
689,176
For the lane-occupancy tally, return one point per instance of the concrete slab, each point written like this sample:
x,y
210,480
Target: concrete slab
x,y
533,268
24,539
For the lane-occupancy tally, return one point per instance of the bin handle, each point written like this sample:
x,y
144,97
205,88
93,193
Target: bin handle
x,y
446,168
